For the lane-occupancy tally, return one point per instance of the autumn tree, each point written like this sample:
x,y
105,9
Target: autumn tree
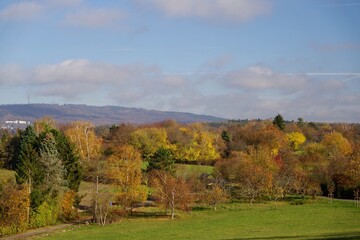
x,y
171,191
336,145
149,140
296,139
125,171
44,124
215,194
14,205
195,144
251,172
87,144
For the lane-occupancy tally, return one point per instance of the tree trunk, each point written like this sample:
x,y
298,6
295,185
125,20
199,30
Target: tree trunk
x,y
96,199
172,204
28,208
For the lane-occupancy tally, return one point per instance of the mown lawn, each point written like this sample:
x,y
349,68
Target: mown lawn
x,y
317,220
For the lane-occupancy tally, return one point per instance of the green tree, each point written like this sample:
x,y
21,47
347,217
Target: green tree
x,y
162,159
29,169
52,165
70,160
279,122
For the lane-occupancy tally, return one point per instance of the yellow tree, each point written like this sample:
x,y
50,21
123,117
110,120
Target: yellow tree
x,y
125,171
195,144
296,139
88,145
336,144
44,125
149,140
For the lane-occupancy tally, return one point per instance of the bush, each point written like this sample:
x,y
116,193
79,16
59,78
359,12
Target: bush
x,y
68,211
116,214
46,214
14,203
12,229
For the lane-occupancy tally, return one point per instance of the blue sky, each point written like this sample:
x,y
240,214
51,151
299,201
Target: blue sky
x,y
227,58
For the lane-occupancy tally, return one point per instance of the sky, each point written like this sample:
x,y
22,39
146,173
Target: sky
x,y
236,59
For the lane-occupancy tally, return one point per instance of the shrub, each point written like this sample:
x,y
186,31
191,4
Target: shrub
x,y
46,214
14,205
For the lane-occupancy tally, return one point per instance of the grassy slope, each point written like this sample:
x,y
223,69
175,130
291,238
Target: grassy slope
x,y
320,220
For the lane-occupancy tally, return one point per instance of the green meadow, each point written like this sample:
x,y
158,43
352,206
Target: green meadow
x,y
315,219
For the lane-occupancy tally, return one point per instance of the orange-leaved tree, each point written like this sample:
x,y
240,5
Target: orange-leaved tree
x,y
172,192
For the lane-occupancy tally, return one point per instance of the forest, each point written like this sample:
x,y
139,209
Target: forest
x,y
132,165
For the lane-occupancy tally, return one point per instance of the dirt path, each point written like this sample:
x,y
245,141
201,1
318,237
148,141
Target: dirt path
x,y
49,229
37,231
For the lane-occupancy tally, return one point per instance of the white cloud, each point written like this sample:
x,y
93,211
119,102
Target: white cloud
x,y
263,78
233,10
94,18
22,11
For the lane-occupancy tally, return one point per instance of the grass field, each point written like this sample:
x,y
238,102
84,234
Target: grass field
x,y
5,175
317,220
186,170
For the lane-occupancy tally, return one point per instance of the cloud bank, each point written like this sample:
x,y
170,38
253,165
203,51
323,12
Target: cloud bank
x,y
253,92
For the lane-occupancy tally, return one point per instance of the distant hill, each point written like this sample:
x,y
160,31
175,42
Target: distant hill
x,y
98,115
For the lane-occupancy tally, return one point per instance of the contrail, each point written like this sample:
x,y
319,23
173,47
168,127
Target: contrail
x,y
341,5
334,74
326,73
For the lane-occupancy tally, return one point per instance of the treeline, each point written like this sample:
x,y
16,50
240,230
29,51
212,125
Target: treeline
x,y
253,160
